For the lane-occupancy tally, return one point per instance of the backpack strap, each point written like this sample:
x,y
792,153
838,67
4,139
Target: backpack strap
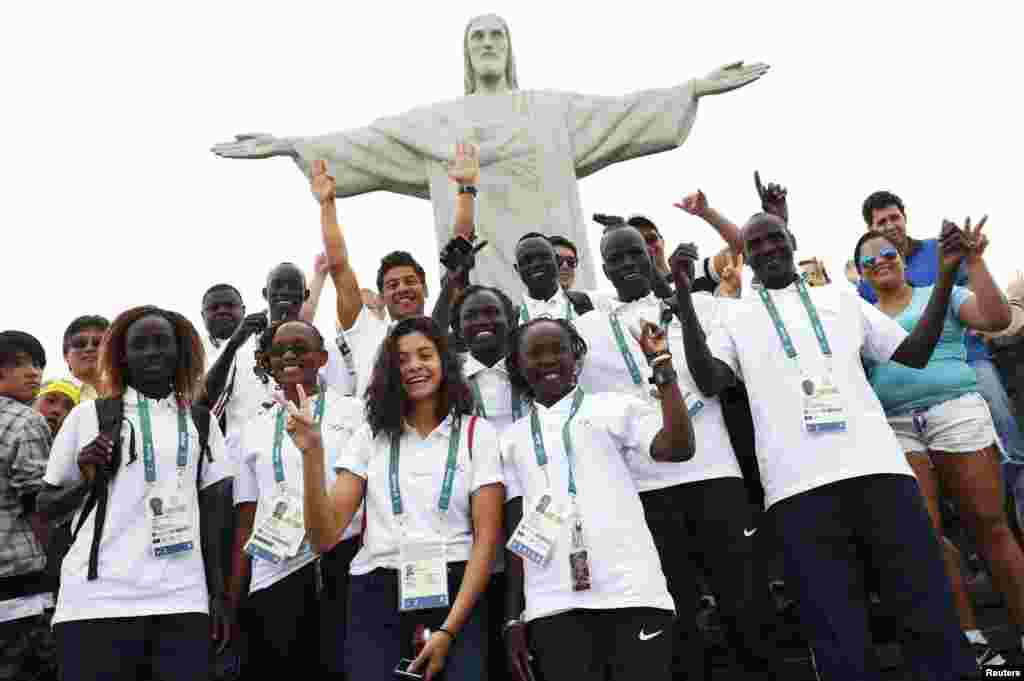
x,y
201,417
110,415
472,429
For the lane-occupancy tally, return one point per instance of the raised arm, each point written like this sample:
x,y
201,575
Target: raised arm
x,y
696,204
987,309
316,287
346,284
675,441
712,375
916,349
217,377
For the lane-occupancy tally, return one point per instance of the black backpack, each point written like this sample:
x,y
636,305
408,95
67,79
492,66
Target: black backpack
x,y
110,413
581,303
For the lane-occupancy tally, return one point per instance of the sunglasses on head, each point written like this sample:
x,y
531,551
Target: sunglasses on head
x,y
296,349
83,342
568,261
870,261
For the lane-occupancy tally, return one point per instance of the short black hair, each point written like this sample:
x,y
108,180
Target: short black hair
x,y
511,311
266,340
558,240
88,321
14,342
222,287
398,259
515,372
879,200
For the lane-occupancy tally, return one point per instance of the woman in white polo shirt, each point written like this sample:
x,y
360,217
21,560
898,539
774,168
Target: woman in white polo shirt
x,y
284,613
430,474
595,597
142,596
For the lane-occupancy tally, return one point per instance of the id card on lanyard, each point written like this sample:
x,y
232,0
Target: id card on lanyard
x,y
423,565
823,410
524,312
280,529
537,534
170,503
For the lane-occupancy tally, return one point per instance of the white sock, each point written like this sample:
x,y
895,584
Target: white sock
x,y
975,636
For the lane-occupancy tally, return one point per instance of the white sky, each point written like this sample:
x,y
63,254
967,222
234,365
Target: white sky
x,y
112,198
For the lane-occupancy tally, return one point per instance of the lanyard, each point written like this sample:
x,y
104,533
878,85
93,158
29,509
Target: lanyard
x,y
148,451
570,453
275,456
346,357
780,326
524,313
449,470
481,408
620,340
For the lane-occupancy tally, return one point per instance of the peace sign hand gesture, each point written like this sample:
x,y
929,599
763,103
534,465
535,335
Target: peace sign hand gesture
x,y
300,425
731,277
652,338
974,241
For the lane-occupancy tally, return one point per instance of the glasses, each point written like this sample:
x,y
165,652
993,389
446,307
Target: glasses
x,y
295,349
871,261
568,261
83,342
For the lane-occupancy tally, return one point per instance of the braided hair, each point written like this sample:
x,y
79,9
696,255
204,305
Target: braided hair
x,y
515,372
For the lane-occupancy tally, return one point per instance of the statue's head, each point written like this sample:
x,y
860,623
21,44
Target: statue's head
x,y
487,44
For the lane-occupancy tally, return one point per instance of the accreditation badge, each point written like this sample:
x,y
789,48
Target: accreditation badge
x,y
823,407
537,533
171,513
280,528
422,576
579,557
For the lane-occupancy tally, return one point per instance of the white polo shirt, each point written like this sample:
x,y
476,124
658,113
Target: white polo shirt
x,y
131,582
557,306
244,395
792,460
255,482
605,371
364,339
421,474
608,431
493,389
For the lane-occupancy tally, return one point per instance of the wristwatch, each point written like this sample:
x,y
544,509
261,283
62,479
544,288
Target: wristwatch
x,y
467,189
663,374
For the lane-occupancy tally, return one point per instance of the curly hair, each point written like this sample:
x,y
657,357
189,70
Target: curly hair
x,y
266,340
386,400
515,372
511,311
189,367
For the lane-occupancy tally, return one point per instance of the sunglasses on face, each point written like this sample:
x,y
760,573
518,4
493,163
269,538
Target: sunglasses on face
x,y
871,261
83,342
568,261
281,350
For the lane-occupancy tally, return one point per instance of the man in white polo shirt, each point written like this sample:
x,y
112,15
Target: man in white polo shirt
x,y
537,265
697,510
834,475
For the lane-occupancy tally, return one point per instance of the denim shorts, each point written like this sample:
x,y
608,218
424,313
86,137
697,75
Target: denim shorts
x,y
961,426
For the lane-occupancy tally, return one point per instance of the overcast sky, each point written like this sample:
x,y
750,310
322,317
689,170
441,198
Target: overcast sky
x,y
112,199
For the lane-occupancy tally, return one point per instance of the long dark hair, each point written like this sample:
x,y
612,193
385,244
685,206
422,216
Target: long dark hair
x,y
386,401
515,372
189,368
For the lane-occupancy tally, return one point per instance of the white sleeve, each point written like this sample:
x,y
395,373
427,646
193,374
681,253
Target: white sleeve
x,y
246,487
721,344
81,425
633,424
509,462
355,457
486,455
223,465
882,334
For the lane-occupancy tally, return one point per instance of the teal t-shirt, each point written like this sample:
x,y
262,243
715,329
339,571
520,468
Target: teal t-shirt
x,y
947,376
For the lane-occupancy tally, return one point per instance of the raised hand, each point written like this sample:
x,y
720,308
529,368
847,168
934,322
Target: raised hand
x,y
975,242
323,184
773,198
682,263
464,169
729,77
254,145
694,204
300,424
952,249
320,264
459,257
252,324
97,453
652,338
731,277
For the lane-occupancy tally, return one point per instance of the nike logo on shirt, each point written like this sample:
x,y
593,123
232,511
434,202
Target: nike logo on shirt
x,y
749,533
648,637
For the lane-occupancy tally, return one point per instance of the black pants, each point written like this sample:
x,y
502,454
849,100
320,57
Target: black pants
x,y
627,644
882,518
708,526
169,647
283,625
334,566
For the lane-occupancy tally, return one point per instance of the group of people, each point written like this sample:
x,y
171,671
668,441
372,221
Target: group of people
x,y
522,484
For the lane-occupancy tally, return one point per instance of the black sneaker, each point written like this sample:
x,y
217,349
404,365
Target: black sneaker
x,y
987,656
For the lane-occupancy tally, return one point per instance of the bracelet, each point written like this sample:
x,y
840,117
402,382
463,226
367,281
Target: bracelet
x,y
509,624
467,189
655,361
442,630
662,376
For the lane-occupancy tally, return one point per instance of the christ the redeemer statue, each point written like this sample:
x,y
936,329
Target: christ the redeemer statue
x,y
533,147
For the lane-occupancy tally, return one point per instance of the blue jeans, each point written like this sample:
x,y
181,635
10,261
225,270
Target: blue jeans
x,y
990,385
